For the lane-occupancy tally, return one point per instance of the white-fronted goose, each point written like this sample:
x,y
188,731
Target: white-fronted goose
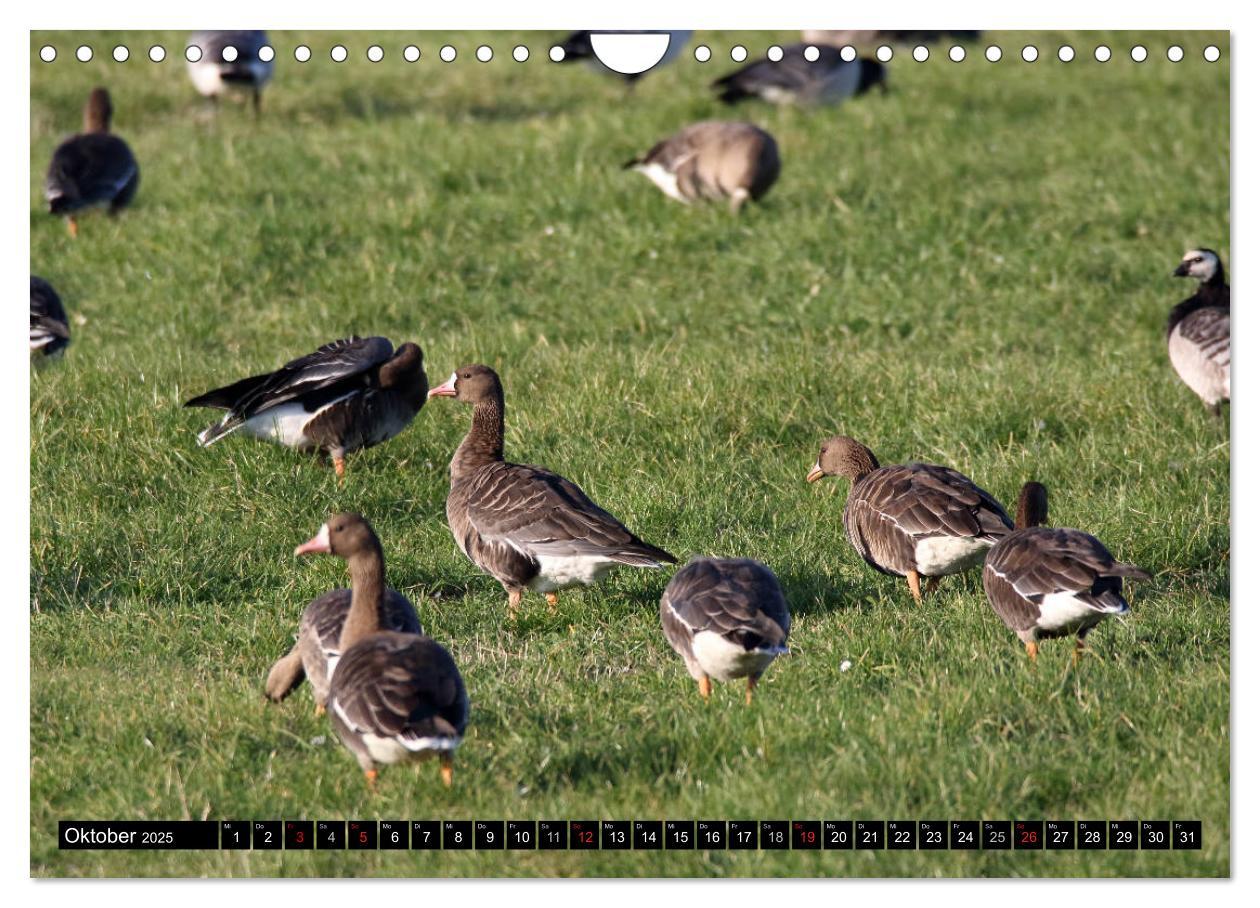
x,y
349,394
393,696
1198,329
247,72
93,168
727,618
1045,582
525,526
712,160
577,46
318,648
912,520
50,330
795,80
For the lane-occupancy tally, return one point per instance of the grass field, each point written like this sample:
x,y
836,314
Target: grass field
x,y
972,270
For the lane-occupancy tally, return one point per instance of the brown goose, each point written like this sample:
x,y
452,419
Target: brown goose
x,y
712,160
318,648
349,394
393,696
1198,329
727,618
912,520
1045,582
525,526
93,168
50,330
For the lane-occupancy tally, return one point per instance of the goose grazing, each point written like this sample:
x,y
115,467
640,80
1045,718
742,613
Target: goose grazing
x,y
577,46
393,696
318,648
349,394
213,75
93,168
860,37
712,160
525,526
912,520
1045,582
796,80
50,330
1198,329
727,618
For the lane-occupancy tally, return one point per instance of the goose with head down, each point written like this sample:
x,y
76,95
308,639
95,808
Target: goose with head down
x,y
93,168
1197,331
712,160
50,329
1048,582
912,520
350,394
525,526
214,74
795,79
393,696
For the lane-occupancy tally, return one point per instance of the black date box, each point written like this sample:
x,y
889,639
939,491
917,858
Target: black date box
x,y
964,835
900,835
1187,835
806,835
1030,835
837,835
1155,834
234,834
299,835
1122,835
742,835
933,835
426,835
330,835
680,835
711,834
584,835
1060,835
995,834
488,834
553,835
267,835
868,834
1091,835
649,835
361,835
615,835
522,835
774,835
394,835
457,835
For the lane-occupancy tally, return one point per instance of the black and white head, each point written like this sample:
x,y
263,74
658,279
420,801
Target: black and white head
x,y
1200,264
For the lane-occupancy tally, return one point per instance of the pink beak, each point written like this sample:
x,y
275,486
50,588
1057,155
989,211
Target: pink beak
x,y
316,544
446,390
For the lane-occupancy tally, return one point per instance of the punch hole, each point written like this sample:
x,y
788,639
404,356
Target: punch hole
x,y
301,53
739,53
338,53
230,54
957,53
1066,54
993,53
192,53
920,53
1102,53
884,53
774,53
703,54
447,53
48,53
411,53
375,53
266,53
1029,53
848,53
811,54
1175,54
485,53
1211,53
157,53
1138,53
520,53
121,54
556,53
84,53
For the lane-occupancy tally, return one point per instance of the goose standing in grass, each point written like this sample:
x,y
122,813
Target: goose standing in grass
x,y
92,168
1045,582
577,46
727,618
318,648
1198,329
912,520
350,394
393,696
213,74
525,526
50,330
861,37
796,80
712,160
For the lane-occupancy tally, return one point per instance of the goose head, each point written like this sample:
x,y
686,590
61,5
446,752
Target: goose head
x,y
1200,264
1033,509
343,535
470,384
841,455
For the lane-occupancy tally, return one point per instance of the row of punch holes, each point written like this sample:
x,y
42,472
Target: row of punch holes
x,y
702,54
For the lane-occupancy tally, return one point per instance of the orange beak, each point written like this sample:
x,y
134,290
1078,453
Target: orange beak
x,y
444,390
316,544
815,474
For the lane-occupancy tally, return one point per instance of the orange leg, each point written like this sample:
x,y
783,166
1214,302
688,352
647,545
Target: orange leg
x,y
73,226
319,710
706,687
1031,648
447,770
370,775
912,579
552,599
933,583
1078,650
748,694
339,467
514,601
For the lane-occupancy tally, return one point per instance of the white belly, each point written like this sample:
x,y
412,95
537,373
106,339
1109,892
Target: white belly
x,y
205,78
284,424
556,573
395,750
1063,612
1206,376
938,556
724,660
666,181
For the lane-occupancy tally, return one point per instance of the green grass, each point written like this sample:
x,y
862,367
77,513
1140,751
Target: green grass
x,y
972,270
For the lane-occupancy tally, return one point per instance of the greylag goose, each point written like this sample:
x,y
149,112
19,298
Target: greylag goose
x,y
50,330
350,394
212,75
393,696
712,160
912,520
1045,582
577,46
795,80
318,648
93,168
727,618
525,526
1198,329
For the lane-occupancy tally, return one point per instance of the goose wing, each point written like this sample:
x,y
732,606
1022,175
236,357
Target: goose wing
x,y
739,599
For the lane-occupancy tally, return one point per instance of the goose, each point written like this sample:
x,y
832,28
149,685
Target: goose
x,y
50,330
393,696
1198,329
912,520
860,37
1045,582
92,168
712,160
318,648
525,526
727,618
349,394
795,80
212,75
577,46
